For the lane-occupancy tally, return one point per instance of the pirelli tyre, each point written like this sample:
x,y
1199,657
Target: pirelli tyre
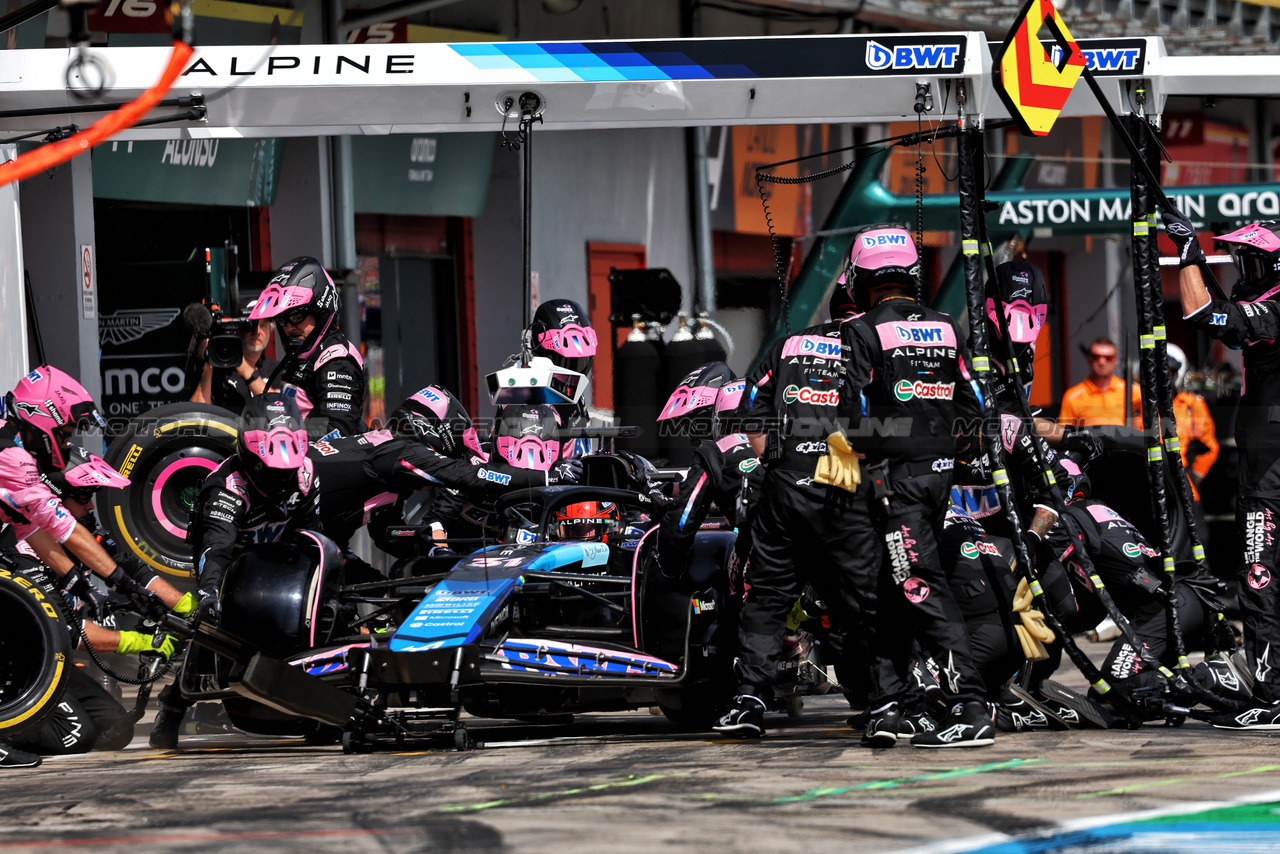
x,y
35,651
167,453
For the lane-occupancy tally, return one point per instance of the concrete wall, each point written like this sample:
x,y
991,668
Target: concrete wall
x,y
611,186
13,327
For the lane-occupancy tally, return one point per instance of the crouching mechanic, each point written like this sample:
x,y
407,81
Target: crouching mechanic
x,y
321,368
905,386
88,717
429,441
1249,320
263,493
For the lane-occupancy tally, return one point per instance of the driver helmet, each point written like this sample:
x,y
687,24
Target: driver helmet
x,y
584,521
561,331
300,287
527,436
272,442
437,419
880,255
692,407
84,475
1025,299
1255,249
48,405
1177,361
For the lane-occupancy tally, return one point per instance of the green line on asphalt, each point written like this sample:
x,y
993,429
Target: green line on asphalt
x,y
814,794
631,780
1170,781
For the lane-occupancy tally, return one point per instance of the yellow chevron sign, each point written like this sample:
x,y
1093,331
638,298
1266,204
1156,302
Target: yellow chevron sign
x,y
1033,80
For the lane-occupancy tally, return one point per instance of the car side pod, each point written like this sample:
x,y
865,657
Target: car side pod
x,y
287,689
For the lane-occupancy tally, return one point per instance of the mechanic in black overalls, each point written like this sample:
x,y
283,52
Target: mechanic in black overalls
x,y
321,369
802,531
905,396
1249,320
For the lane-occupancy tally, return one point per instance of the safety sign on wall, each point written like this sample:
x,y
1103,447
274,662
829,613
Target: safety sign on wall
x,y
87,299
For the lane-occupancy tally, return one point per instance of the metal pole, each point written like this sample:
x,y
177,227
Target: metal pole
x,y
343,205
526,223
705,291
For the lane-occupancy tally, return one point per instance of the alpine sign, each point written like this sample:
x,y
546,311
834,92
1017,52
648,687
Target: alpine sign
x,y
1033,83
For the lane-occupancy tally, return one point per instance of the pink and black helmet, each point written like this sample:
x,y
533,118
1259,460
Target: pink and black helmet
x,y
880,255
1256,252
300,286
84,475
528,436
692,407
1026,302
562,332
273,441
48,405
437,419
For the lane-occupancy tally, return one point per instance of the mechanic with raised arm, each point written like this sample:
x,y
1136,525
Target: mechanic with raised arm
x,y
429,441
725,470
1249,320
321,369
802,531
906,398
264,492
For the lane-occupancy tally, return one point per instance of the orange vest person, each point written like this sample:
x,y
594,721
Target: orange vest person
x,y
1100,398
1195,424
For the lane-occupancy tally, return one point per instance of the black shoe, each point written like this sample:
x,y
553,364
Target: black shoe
x,y
969,725
1227,675
858,720
164,732
1260,718
745,719
914,723
882,728
1075,709
1018,711
12,757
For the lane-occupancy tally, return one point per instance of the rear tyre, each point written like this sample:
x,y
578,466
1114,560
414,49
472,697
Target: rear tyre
x,y
35,651
167,452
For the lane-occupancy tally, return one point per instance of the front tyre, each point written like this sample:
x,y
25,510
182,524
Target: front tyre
x,y
35,653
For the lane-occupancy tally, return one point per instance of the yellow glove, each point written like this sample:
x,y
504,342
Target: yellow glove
x,y
186,605
134,643
840,465
1033,634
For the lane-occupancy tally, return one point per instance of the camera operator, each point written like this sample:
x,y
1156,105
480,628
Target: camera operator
x,y
222,380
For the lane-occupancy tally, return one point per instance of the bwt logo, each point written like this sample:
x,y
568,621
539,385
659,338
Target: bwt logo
x,y
820,348
916,335
880,57
871,241
1104,59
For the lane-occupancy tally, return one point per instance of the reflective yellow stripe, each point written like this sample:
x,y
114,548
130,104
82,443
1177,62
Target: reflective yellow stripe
x,y
1198,552
1166,673
1183,663
969,247
1147,342
981,364
1000,476
1101,686
1152,219
1097,582
1155,454
1168,565
1161,334
1140,228
1172,445
54,685
1036,589
986,250
1050,479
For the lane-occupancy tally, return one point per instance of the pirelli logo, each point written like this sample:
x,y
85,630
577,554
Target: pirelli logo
x,y
130,460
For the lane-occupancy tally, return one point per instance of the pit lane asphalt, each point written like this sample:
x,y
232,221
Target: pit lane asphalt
x,y
624,783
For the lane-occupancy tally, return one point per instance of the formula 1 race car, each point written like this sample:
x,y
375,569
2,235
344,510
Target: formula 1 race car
x,y
542,624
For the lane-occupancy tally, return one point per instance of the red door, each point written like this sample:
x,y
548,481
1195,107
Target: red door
x,y
601,258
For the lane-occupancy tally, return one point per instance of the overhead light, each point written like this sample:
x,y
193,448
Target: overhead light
x,y
560,7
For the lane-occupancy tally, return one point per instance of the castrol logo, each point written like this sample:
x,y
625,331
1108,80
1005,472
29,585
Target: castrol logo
x,y
811,396
906,390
